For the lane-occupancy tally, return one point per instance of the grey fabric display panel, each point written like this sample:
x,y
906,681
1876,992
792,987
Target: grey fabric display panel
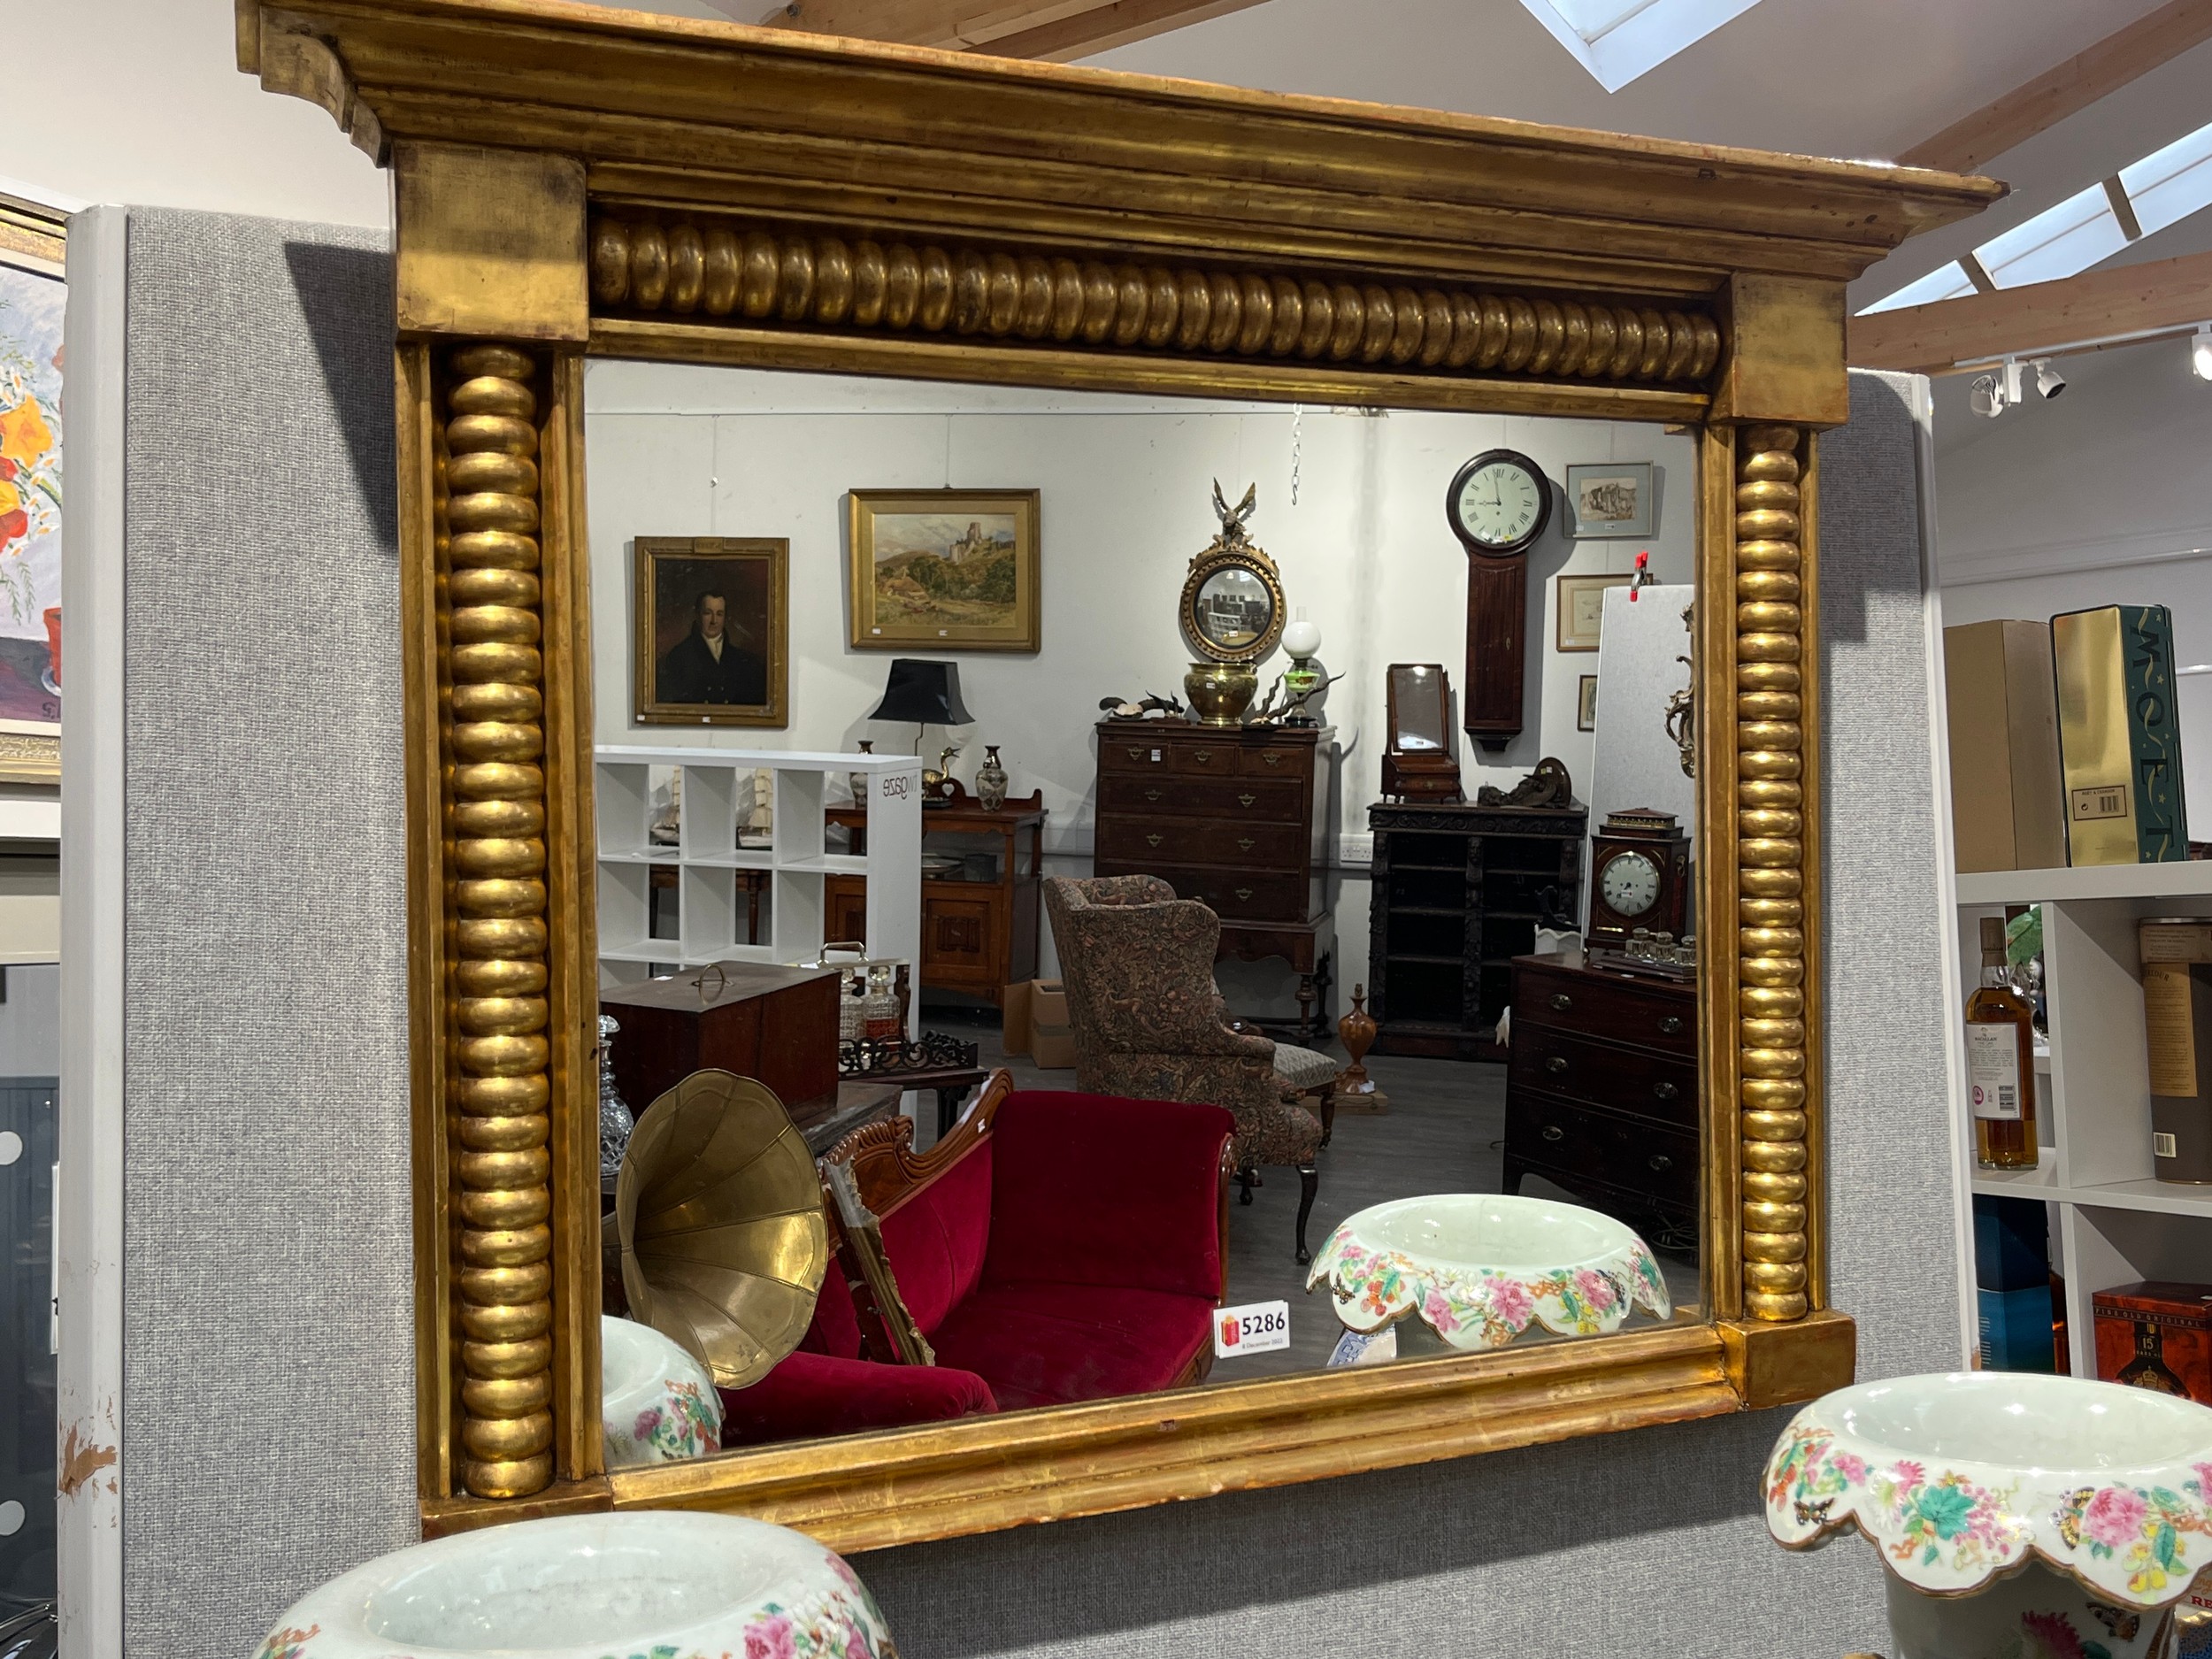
x,y
268,1396
1647,1543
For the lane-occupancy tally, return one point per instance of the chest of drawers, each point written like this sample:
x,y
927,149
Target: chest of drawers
x,y
1601,1090
1240,820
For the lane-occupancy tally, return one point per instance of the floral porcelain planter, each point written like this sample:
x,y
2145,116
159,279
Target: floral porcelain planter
x,y
1480,1268
657,1403
2019,1515
652,1586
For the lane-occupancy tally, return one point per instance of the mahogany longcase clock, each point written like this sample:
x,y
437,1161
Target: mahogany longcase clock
x,y
1498,504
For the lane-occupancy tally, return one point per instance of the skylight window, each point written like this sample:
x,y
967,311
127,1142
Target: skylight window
x,y
2086,229
1947,282
1618,40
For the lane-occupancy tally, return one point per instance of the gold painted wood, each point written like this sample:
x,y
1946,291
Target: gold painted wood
x,y
734,181
1774,1024
1009,29
490,243
749,274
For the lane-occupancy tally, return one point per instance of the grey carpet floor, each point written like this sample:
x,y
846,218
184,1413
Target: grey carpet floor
x,y
1441,1134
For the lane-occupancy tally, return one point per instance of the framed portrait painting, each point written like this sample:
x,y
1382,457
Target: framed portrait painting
x,y
713,632
1613,498
945,570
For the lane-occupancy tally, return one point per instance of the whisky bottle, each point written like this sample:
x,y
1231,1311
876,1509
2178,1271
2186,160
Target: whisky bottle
x,y
1999,1062
2148,1369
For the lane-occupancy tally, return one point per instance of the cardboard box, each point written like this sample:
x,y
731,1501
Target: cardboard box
x,y
2008,803
2158,1336
1052,1048
1035,1010
2119,735
2015,1329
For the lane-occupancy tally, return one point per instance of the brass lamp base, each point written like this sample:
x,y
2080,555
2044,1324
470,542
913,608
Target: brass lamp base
x,y
1219,693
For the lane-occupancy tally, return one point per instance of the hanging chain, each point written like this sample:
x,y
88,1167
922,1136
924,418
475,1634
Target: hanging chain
x,y
1297,439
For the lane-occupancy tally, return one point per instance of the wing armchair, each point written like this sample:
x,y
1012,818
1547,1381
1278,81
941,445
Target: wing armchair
x,y
1150,1025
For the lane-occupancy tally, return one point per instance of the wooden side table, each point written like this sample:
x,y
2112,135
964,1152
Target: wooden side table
x,y
979,935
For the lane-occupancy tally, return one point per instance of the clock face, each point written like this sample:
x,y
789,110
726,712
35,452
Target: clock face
x,y
1629,884
1500,501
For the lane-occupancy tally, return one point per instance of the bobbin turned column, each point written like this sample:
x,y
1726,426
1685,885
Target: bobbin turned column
x,y
491,310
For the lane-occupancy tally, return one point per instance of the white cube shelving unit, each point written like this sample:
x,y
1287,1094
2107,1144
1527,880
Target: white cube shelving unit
x,y
706,857
2116,1222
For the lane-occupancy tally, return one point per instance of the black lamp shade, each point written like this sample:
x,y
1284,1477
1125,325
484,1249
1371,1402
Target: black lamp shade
x,y
923,693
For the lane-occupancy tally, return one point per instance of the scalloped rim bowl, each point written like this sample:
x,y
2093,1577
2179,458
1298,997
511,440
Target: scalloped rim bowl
x,y
1480,1268
657,1403
581,1586
1958,1477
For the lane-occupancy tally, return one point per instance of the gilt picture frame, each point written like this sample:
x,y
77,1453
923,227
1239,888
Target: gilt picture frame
x,y
944,570
713,619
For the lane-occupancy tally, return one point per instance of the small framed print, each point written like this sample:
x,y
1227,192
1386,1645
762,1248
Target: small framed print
x,y
1587,704
946,570
713,629
1613,498
1582,611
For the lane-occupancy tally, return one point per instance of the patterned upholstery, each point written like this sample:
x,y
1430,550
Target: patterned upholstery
x,y
1139,967
1302,1068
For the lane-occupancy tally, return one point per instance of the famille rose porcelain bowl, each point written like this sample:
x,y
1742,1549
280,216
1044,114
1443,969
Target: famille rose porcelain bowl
x,y
2019,1515
588,1586
656,1402
1480,1268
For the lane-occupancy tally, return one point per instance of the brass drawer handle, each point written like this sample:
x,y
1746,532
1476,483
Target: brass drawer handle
x,y
1244,893
1136,753
1553,1132
1661,1164
1202,756
1556,1064
1664,1091
1246,800
1671,1025
1152,840
1151,795
1244,844
1272,757
1561,1000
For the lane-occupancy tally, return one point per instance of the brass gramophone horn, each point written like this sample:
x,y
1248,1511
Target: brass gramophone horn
x,y
719,1211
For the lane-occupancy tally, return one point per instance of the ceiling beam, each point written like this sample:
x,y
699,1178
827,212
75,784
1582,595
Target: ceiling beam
x,y
1969,145
2172,295
1053,29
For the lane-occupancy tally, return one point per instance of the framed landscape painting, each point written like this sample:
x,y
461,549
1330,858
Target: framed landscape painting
x,y
945,570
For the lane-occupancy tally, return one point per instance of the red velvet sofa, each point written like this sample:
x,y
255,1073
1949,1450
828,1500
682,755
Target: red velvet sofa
x,y
1053,1247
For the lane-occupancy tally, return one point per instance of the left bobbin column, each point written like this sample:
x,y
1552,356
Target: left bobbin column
x,y
501,985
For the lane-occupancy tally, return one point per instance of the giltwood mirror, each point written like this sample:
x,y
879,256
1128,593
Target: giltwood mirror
x,y
573,183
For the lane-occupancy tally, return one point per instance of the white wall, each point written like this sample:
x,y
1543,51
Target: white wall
x,y
1125,488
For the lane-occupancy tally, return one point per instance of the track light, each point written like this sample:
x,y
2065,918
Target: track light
x,y
2201,352
2048,380
1987,397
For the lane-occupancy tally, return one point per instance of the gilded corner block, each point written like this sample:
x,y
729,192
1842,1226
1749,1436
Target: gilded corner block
x,y
491,244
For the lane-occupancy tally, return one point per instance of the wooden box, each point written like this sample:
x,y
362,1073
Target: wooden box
x,y
2156,1335
778,1024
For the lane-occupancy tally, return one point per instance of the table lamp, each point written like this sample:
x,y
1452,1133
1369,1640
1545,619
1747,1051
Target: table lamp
x,y
929,694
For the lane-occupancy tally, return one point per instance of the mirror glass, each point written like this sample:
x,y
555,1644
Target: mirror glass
x,y
1418,708
1234,608
1386,1080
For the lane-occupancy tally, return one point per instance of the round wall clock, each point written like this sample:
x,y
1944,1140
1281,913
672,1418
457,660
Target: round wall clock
x,y
1499,502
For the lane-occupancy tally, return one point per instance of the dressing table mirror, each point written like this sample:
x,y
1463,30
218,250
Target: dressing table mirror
x,y
1417,762
909,230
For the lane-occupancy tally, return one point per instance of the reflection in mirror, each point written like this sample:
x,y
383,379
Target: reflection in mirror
x,y
1150,1043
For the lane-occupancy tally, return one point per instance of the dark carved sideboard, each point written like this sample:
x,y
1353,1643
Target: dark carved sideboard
x,y
1600,1095
1238,819
1457,894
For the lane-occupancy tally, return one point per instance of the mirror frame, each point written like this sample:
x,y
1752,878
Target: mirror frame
x,y
571,182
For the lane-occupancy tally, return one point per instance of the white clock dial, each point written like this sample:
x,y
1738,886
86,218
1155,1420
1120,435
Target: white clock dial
x,y
1499,503
1629,884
